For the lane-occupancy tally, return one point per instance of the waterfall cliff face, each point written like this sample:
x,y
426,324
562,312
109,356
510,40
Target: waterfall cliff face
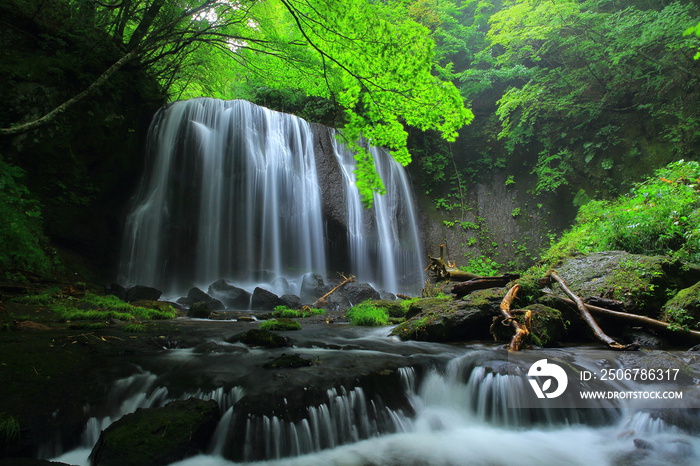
x,y
232,191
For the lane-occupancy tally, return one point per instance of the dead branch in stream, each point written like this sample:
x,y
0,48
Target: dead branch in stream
x,y
322,299
521,331
648,322
588,318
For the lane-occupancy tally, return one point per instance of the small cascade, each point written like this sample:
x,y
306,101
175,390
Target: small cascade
x,y
232,191
348,416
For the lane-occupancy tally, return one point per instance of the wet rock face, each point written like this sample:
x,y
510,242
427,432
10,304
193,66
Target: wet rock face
x,y
157,436
232,296
195,295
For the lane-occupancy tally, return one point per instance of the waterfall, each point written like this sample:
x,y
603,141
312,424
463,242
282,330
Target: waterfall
x,y
232,191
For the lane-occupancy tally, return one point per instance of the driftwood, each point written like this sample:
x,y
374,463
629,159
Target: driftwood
x,y
481,283
588,318
648,322
521,331
443,270
322,299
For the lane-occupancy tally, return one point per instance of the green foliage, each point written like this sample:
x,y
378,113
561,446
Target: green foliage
x,y
482,265
92,307
134,328
280,324
659,216
286,312
367,314
24,246
9,428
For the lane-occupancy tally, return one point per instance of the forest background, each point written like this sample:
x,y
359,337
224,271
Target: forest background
x,y
568,101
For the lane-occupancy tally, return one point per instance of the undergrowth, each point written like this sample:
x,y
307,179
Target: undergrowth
x,y
367,314
93,307
659,216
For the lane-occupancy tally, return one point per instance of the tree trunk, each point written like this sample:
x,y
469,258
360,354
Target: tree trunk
x,y
481,283
49,117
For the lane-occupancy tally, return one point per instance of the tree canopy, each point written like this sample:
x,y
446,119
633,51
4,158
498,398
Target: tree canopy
x,y
370,59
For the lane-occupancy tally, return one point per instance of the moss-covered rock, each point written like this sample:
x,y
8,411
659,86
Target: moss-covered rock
x,y
157,436
280,323
444,320
684,308
641,283
393,308
261,338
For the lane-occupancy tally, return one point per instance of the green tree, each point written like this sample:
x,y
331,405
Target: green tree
x,y
367,57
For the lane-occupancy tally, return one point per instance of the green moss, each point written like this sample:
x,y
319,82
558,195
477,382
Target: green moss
x,y
683,310
286,312
367,314
280,324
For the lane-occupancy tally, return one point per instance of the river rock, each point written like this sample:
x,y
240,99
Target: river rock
x,y
157,436
142,293
292,301
117,290
312,288
640,283
684,308
195,295
199,310
448,320
261,338
264,300
232,296
357,292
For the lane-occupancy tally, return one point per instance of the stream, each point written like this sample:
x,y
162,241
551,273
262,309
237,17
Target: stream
x,y
369,399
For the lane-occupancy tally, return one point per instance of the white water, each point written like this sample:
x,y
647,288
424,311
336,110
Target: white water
x,y
232,191
460,418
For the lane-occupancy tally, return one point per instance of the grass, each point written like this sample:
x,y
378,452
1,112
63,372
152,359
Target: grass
x,y
9,428
367,314
93,308
280,324
287,313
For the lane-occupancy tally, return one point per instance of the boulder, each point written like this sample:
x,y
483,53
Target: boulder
x,y
357,292
312,288
117,290
264,300
157,436
640,283
232,296
547,326
142,293
684,308
448,320
195,295
199,310
292,301
261,338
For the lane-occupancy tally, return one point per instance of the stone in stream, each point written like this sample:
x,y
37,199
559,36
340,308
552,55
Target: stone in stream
x,y
232,296
195,295
157,436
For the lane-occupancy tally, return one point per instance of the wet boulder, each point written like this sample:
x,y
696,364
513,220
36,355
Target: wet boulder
x,y
199,310
232,296
312,288
264,300
157,436
142,293
261,339
195,295
292,301
449,320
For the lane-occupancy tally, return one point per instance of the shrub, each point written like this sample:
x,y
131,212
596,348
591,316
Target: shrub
x,y
659,216
367,314
24,245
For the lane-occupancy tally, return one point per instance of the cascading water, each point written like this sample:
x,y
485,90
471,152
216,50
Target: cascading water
x,y
232,191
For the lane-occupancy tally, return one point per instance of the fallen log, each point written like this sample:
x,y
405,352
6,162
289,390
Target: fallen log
x,y
521,331
588,318
482,283
322,299
648,322
442,270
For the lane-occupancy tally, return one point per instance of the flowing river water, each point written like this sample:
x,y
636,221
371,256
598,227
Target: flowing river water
x,y
388,402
